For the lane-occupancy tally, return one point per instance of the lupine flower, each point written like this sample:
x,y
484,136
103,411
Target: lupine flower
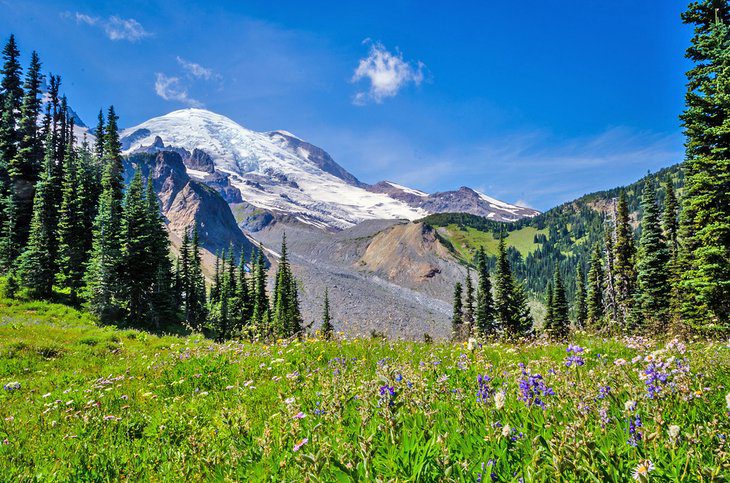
x,y
603,392
533,388
654,379
299,445
483,389
634,431
642,470
387,390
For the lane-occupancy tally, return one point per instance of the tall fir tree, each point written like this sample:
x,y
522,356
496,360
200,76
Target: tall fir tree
x,y
610,299
72,249
624,260
559,323
510,301
653,279
260,313
670,220
549,306
27,162
137,270
594,302
581,309
484,302
163,298
196,297
38,261
704,261
10,85
102,276
469,303
327,328
457,317
99,133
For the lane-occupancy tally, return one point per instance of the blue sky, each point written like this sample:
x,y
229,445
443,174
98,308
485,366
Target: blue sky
x,y
533,102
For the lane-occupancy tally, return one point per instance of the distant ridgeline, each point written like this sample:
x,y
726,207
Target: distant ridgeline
x,y
562,236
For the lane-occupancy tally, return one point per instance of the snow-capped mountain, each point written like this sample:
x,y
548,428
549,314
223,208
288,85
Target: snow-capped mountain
x,y
279,172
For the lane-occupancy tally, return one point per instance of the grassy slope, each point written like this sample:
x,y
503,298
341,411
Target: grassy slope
x,y
98,404
466,239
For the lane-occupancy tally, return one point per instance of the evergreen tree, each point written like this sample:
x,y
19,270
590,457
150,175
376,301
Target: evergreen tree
x,y
510,301
610,298
37,264
624,260
260,313
327,328
244,307
559,322
670,221
549,307
653,289
72,249
484,303
10,85
26,164
137,268
195,297
581,310
594,302
705,217
102,276
457,319
163,297
99,133
469,303
286,316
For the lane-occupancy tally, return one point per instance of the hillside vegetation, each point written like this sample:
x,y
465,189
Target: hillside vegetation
x,y
81,402
562,236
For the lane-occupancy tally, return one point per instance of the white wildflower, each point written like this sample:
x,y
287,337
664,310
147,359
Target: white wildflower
x,y
499,400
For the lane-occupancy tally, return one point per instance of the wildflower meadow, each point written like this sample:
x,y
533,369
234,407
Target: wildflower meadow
x,y
86,403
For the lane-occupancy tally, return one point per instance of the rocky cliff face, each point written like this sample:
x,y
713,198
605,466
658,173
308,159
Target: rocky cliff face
x,y
184,200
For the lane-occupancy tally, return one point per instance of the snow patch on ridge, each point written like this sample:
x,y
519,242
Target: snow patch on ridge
x,y
268,175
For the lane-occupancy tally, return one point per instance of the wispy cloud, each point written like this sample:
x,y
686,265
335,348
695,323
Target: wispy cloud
x,y
195,70
387,73
115,28
172,89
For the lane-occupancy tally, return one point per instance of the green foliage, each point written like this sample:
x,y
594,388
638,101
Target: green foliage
x,y
484,301
653,289
457,318
327,328
557,323
705,219
287,318
594,302
38,261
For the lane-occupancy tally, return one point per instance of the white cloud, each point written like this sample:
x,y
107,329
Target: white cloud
x,y
387,73
171,89
195,70
116,28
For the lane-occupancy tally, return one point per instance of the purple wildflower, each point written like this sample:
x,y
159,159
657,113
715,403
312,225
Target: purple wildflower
x,y
533,389
484,392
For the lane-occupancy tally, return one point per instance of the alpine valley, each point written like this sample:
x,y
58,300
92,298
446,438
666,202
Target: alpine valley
x,y
342,233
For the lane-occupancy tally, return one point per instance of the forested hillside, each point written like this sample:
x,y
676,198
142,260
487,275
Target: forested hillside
x,y
562,236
